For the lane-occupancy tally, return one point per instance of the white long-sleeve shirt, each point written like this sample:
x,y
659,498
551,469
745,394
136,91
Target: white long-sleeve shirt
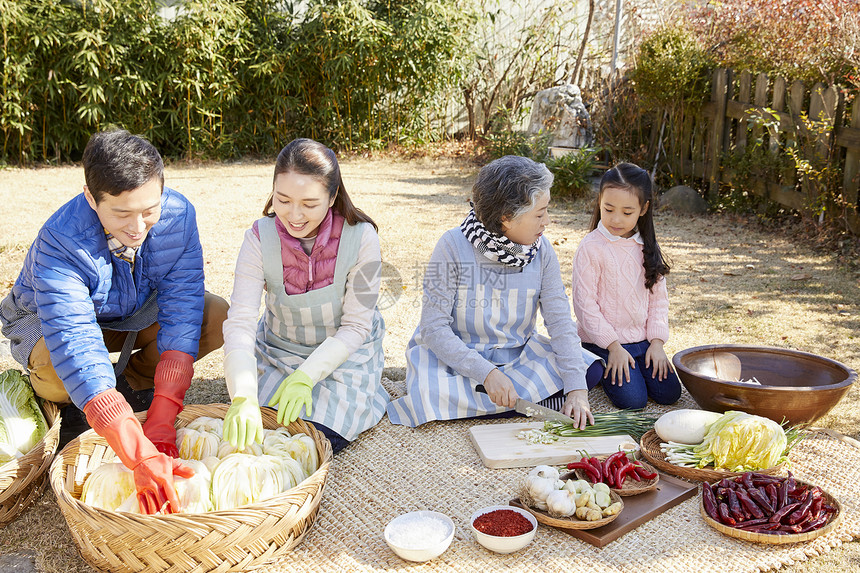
x,y
240,328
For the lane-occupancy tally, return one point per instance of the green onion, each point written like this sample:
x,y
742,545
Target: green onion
x,y
632,422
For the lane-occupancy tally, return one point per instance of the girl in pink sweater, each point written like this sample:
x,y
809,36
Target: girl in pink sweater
x,y
619,294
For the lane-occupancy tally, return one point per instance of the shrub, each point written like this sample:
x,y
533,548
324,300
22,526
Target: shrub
x,y
573,173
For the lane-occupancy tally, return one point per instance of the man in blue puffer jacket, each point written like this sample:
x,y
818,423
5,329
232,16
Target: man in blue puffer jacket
x,y
118,268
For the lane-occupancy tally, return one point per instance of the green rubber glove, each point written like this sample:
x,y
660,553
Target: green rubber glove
x,y
243,423
293,393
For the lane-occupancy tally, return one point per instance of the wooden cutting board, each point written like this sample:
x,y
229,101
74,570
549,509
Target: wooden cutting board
x,y
499,447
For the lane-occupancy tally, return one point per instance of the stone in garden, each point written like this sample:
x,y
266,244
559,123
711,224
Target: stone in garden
x,y
683,199
559,110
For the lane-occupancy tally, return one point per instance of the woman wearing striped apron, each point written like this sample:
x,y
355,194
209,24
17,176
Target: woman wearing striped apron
x,y
483,287
316,353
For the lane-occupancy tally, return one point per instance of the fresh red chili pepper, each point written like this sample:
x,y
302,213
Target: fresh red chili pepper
x,y
777,517
710,501
735,506
598,467
587,468
761,499
748,503
622,472
643,473
725,517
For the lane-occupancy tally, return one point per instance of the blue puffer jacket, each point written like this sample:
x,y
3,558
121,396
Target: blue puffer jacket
x,y
71,280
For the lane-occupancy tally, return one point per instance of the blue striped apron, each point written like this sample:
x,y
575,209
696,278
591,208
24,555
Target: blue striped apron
x,y
352,398
494,314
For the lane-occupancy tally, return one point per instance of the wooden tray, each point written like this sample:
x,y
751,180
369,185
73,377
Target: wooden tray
x,y
650,449
569,522
777,539
630,486
638,509
499,447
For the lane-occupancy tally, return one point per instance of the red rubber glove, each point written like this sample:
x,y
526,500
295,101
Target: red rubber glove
x,y
111,417
172,379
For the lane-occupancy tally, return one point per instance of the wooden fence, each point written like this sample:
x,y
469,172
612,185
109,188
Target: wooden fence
x,y
723,128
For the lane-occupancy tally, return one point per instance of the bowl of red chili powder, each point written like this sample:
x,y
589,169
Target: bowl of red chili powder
x,y
504,528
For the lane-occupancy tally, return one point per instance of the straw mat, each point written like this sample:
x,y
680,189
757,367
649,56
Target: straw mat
x,y
392,469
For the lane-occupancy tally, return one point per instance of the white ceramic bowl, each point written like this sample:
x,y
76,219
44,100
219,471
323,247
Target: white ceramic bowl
x,y
504,544
434,547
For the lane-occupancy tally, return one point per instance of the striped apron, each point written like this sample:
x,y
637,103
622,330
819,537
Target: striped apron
x,y
352,398
494,314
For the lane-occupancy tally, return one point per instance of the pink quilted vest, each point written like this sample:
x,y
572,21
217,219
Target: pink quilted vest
x,y
303,273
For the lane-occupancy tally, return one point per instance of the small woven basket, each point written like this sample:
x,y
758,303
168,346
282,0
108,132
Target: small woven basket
x,y
650,449
571,522
239,539
23,480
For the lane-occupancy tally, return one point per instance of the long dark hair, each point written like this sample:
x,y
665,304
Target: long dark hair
x,y
636,180
311,158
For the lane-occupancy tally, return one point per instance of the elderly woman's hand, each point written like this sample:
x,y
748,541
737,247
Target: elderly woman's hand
x,y
500,389
576,406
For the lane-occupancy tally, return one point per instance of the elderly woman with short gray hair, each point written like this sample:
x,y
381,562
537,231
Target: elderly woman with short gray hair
x,y
476,349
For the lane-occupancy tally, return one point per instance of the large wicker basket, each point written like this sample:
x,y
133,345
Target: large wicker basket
x,y
240,539
23,480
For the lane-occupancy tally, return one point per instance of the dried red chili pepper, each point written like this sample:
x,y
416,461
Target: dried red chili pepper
x,y
502,523
735,506
761,499
777,517
815,524
725,517
710,501
772,492
748,503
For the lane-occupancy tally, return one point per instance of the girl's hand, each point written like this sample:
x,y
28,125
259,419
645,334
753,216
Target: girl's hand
x,y
500,389
576,406
618,364
657,356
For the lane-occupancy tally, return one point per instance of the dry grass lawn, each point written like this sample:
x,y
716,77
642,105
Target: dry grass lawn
x,y
730,283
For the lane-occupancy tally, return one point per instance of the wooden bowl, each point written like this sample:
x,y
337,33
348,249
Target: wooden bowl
x,y
797,386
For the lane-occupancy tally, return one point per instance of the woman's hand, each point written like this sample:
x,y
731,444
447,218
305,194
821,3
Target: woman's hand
x,y
576,406
500,389
657,356
618,364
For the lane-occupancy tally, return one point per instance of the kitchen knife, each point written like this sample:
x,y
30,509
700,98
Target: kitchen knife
x,y
538,412
534,411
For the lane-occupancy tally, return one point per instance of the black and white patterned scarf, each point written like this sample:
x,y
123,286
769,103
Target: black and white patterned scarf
x,y
496,247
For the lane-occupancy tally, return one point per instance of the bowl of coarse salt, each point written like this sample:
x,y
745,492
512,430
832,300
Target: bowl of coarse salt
x,y
419,535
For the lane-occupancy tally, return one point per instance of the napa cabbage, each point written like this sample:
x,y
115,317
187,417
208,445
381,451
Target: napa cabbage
x,y
738,442
22,423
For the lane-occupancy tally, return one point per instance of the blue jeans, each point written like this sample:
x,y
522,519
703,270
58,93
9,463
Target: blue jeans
x,y
633,395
